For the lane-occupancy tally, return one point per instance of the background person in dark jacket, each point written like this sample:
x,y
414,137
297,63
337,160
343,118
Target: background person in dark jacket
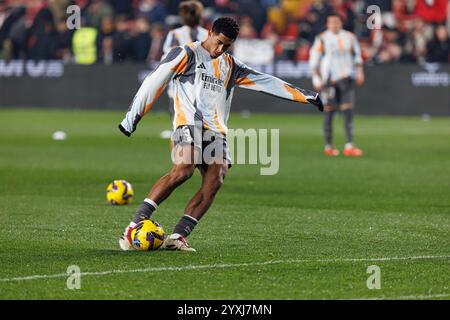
x,y
141,40
438,49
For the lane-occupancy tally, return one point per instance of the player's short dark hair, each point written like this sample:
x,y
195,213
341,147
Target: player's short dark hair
x,y
226,25
335,14
191,12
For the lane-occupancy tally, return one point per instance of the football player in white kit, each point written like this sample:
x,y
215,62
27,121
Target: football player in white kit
x,y
204,78
191,13
334,57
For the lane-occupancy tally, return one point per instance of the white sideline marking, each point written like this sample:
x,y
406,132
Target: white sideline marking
x,y
222,266
420,297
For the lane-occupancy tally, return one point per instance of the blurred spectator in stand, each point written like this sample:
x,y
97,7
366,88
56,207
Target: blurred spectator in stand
x,y
292,31
402,10
42,16
254,10
42,36
294,9
302,54
390,50
438,49
141,40
317,15
431,11
270,3
95,12
121,40
247,31
448,17
416,41
276,18
172,7
15,29
123,7
289,41
225,7
154,10
107,53
5,44
104,42
45,44
3,12
58,8
8,18
63,41
156,47
269,33
308,27
84,44
368,52
345,10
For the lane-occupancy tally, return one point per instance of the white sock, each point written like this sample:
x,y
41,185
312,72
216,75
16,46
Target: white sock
x,y
348,145
186,215
151,202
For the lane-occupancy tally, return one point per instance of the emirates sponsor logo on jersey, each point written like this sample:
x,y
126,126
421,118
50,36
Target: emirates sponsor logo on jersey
x,y
212,83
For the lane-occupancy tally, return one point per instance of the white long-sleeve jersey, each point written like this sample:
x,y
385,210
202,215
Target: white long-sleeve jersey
x,y
203,88
335,55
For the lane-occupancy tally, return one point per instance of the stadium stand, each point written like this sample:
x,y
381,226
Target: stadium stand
x,y
133,31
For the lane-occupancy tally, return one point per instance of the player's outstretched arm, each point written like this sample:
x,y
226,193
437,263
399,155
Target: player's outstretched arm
x,y
154,84
249,78
315,56
358,61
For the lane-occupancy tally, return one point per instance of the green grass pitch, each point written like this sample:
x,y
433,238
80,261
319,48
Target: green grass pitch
x,y
309,232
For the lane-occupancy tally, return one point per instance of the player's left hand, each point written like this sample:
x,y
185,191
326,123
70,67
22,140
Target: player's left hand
x,y
360,78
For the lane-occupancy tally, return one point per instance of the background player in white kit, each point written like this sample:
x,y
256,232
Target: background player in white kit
x,y
334,57
191,13
204,78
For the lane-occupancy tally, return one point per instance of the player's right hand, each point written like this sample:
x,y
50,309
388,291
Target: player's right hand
x,y
317,102
125,132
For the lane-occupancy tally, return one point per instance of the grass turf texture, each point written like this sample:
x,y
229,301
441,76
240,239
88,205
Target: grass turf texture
x,y
393,202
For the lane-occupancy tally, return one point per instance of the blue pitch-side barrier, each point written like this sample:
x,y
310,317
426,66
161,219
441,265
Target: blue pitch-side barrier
x,y
389,89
